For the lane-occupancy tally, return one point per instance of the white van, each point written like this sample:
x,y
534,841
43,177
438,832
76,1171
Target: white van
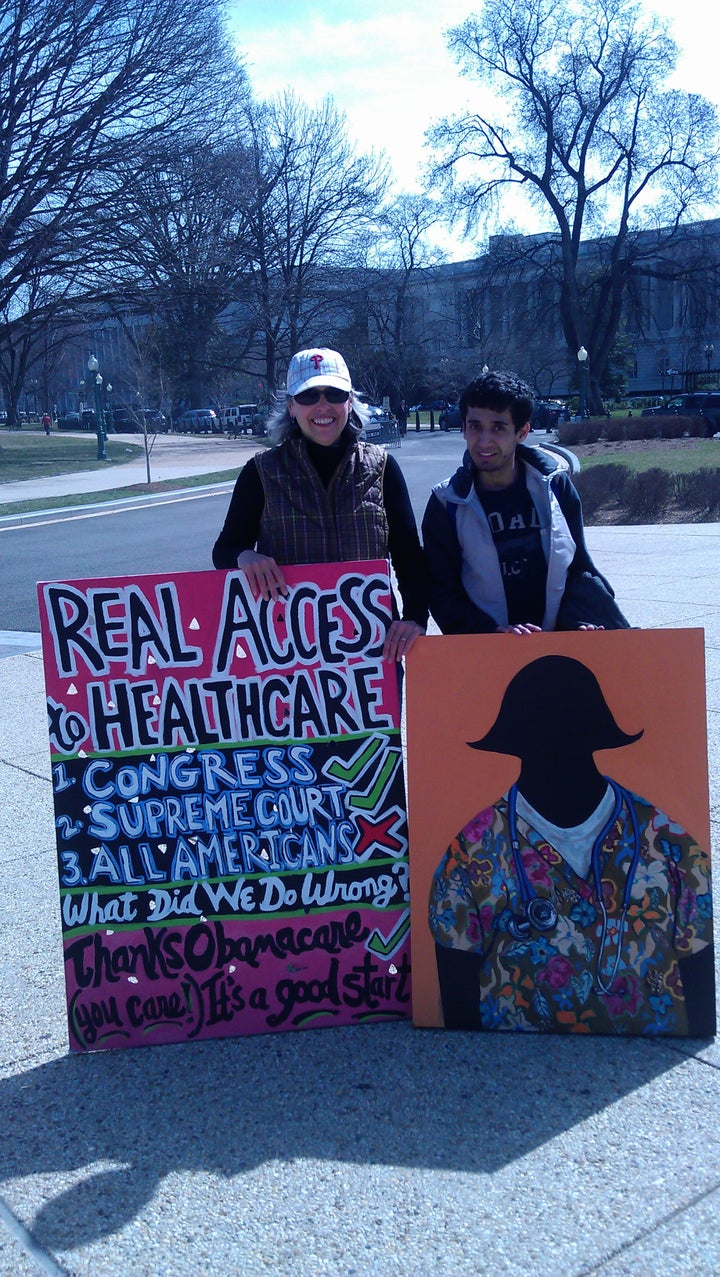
x,y
238,420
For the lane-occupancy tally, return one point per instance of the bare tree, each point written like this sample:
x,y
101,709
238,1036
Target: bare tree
x,y
391,353
178,256
32,331
309,196
586,129
84,84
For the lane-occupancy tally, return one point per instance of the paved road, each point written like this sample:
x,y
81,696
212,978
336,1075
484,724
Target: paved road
x,y
144,534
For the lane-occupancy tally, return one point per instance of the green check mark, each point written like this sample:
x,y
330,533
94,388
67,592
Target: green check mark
x,y
368,800
349,773
384,947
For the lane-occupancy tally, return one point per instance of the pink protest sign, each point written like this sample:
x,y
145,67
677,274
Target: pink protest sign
x,y
229,804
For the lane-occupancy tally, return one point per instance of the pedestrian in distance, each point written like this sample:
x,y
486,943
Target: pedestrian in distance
x,y
402,418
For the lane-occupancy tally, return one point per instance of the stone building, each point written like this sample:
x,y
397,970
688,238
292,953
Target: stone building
x,y
502,309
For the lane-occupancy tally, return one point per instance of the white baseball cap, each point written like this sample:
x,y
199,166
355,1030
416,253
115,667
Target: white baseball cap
x,y
317,367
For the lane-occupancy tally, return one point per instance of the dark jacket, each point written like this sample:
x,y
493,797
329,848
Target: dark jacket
x,y
466,592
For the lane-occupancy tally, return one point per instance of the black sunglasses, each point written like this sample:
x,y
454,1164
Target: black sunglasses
x,y
331,393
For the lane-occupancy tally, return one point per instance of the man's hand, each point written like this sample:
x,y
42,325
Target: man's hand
x,y
588,626
400,638
527,628
265,577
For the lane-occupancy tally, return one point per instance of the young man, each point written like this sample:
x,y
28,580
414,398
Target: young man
x,y
504,536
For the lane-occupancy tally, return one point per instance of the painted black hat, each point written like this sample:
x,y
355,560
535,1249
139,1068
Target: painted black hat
x,y
552,700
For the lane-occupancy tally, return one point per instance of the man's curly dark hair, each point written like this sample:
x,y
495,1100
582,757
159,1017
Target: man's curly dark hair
x,y
499,390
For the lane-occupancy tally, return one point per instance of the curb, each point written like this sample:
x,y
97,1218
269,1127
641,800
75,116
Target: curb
x,y
18,520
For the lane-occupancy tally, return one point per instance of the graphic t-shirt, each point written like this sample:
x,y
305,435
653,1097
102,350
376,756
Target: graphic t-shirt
x,y
515,527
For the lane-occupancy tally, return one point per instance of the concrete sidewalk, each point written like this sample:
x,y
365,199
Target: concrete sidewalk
x,y
173,457
376,1151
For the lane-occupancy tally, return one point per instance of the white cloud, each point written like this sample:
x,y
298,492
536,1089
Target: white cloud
x,y
387,66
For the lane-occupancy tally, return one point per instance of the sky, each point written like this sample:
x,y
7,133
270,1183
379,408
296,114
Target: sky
x,y
386,64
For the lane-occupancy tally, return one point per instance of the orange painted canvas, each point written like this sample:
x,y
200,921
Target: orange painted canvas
x,y
559,833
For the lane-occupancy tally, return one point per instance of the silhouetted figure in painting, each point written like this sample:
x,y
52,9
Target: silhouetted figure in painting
x,y
572,904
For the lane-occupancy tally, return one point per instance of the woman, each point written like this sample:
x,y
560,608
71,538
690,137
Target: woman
x,y
323,494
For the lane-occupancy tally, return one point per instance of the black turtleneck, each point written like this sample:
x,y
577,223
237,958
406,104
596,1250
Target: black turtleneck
x,y
326,457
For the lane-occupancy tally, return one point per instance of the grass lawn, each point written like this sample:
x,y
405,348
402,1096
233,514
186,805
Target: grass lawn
x,y
679,456
30,453
650,481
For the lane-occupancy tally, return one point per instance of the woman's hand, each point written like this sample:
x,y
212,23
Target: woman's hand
x,y
265,577
400,638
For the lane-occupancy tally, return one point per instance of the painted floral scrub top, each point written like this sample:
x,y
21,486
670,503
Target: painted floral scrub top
x,y
548,980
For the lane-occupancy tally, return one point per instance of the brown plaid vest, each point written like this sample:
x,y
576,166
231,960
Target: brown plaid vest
x,y
304,522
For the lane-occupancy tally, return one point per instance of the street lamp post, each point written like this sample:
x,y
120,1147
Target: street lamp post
x,y
97,382
582,360
31,388
709,352
109,422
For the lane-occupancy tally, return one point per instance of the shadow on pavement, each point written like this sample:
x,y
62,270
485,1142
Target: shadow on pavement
x,y
387,1095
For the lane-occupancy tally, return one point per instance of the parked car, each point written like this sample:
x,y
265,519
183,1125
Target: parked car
x,y
156,421
199,421
372,411
245,419
679,406
450,419
699,404
129,421
69,421
711,412
123,420
547,414
76,421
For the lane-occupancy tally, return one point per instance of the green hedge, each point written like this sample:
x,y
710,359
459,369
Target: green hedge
x,y
615,494
616,429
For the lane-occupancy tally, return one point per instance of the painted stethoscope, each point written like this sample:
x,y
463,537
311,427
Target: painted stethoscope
x,y
539,913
